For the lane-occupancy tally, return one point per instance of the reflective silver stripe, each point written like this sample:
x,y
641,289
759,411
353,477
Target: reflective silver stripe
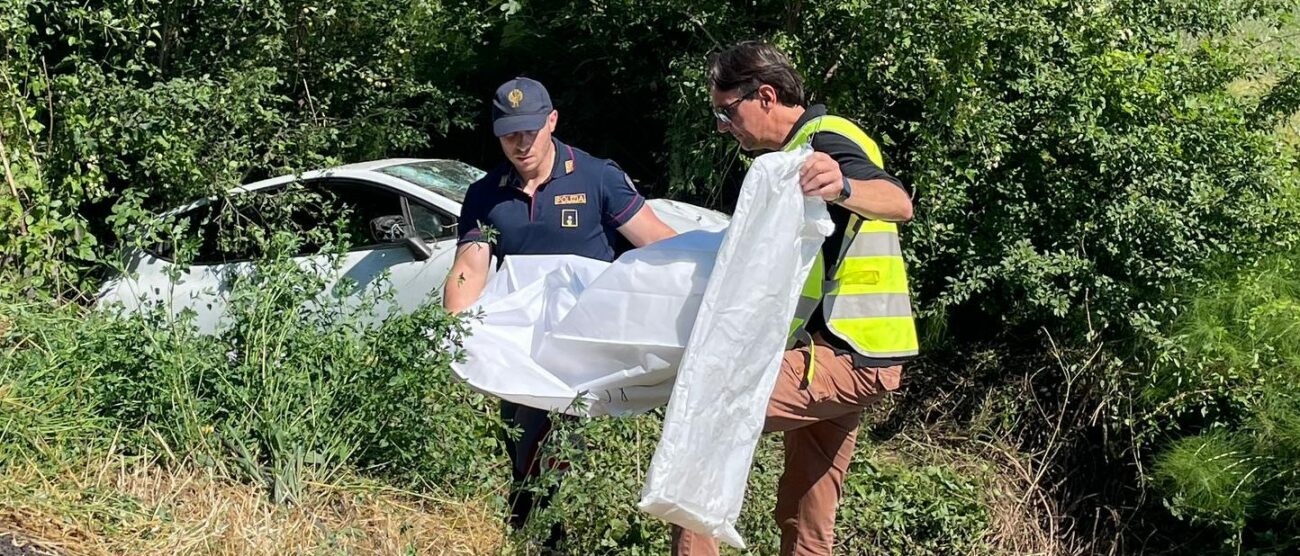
x,y
805,307
888,354
846,242
875,244
869,305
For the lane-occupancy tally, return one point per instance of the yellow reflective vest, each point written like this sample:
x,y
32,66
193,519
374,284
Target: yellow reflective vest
x,y
866,302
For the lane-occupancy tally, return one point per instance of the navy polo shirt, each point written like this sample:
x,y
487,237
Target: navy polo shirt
x,y
576,212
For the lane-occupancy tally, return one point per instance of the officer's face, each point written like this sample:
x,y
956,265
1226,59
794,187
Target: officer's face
x,y
739,115
527,150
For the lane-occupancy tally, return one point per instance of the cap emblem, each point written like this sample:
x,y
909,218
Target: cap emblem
x,y
515,97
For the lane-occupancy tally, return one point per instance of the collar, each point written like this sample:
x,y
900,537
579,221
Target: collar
x,y
565,164
814,111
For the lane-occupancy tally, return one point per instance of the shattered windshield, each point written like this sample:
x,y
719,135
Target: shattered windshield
x,y
449,178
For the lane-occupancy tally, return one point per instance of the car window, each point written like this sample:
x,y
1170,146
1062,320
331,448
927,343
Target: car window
x,y
353,207
432,224
449,178
193,230
319,212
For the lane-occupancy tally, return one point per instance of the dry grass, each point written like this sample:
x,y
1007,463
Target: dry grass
x,y
1023,518
125,507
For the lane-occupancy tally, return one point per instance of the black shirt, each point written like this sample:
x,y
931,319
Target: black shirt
x,y
855,165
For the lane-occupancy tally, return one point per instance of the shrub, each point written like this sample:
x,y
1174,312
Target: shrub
x,y
300,384
891,505
893,508
1073,165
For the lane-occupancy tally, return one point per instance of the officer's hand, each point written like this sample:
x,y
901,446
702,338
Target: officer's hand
x,y
820,177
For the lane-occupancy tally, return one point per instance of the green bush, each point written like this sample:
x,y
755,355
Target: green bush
x,y
123,109
597,499
892,508
1075,164
1072,163
298,385
890,505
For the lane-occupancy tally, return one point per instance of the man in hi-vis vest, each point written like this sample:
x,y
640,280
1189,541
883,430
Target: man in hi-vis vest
x,y
853,328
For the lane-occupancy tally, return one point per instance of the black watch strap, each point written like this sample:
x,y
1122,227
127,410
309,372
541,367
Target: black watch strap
x,y
844,193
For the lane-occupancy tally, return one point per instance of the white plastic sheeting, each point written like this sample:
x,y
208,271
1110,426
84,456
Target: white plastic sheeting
x,y
700,468
685,217
586,337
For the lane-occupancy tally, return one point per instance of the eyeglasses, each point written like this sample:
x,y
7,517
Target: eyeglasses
x,y
725,113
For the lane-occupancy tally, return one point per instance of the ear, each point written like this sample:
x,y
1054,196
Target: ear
x,y
552,120
766,94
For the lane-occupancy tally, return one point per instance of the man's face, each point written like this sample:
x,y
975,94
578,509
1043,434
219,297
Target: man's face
x,y
527,150
745,115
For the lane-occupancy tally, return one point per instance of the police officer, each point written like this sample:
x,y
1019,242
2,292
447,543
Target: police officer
x,y
547,199
853,328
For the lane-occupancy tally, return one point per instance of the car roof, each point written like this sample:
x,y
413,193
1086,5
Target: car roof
x,y
365,170
345,169
377,164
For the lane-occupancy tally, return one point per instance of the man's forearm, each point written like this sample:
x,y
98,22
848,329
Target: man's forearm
x,y
467,278
879,200
462,290
645,228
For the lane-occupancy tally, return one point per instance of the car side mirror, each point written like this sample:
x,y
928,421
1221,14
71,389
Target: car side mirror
x,y
419,249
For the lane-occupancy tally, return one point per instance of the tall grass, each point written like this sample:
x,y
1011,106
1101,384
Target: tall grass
x,y
1226,393
299,383
302,390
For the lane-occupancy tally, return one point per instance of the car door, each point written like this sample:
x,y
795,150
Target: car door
x,y
155,276
380,265
376,261
419,282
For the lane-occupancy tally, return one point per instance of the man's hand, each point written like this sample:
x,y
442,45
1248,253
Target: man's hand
x,y
876,199
820,177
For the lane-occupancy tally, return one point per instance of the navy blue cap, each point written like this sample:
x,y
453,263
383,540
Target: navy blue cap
x,y
520,104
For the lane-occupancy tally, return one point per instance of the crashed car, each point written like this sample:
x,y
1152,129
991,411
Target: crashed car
x,y
403,213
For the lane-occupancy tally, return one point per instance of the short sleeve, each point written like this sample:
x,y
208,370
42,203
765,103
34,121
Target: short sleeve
x,y
621,200
854,163
473,212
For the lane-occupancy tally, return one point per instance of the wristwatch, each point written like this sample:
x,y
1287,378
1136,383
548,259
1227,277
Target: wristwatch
x,y
844,193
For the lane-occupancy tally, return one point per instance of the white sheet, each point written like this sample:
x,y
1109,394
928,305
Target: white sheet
x,y
698,475
586,337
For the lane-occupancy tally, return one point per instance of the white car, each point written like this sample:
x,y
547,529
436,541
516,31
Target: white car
x,y
378,199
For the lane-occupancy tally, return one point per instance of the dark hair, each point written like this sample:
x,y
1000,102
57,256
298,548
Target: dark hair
x,y
753,63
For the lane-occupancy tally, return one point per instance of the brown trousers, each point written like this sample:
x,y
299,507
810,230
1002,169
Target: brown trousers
x,y
820,425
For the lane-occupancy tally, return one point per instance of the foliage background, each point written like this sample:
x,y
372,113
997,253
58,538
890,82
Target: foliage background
x,y
1105,200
